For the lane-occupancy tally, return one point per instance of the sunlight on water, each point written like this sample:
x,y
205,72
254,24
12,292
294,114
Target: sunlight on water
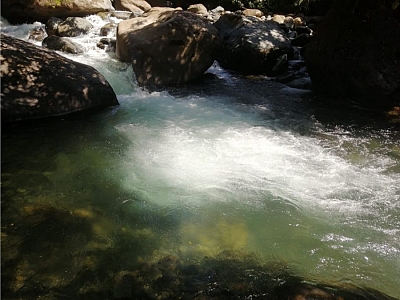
x,y
198,146
243,168
207,155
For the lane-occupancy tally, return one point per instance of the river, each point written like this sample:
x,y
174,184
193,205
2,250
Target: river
x,y
236,165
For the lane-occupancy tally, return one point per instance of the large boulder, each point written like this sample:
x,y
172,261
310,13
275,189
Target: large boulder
x,y
355,52
167,46
24,11
125,28
253,46
37,83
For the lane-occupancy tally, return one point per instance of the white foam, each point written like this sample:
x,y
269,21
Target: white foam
x,y
193,150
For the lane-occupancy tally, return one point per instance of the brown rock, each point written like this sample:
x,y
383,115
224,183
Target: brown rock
x,y
37,83
23,11
74,26
280,19
132,5
251,12
167,46
298,21
199,9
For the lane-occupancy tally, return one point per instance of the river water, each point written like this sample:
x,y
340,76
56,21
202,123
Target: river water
x,y
229,165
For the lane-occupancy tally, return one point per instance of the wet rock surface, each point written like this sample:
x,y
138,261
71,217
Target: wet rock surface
x,y
62,44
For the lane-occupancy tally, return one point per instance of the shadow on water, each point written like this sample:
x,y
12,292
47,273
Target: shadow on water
x,y
68,232
296,110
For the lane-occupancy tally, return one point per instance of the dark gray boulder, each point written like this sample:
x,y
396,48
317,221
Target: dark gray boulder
x,y
62,44
252,46
38,83
52,25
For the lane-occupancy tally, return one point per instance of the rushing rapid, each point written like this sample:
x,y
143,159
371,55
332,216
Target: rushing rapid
x,y
294,194
241,164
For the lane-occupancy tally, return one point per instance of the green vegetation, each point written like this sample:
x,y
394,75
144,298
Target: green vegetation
x,y
56,3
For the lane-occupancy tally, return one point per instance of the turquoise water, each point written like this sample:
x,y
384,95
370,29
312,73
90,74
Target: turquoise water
x,y
231,167
194,173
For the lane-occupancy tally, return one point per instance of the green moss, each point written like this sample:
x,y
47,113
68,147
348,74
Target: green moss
x,y
56,3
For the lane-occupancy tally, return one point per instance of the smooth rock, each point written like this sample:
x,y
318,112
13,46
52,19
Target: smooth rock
x,y
199,9
62,44
38,83
132,5
73,27
167,46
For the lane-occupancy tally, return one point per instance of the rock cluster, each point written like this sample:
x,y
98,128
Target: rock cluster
x,y
165,46
59,30
168,46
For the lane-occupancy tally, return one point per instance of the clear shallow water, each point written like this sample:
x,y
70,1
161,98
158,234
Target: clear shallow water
x,y
236,164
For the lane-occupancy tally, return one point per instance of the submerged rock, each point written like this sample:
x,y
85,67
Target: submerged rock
x,y
38,83
303,83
